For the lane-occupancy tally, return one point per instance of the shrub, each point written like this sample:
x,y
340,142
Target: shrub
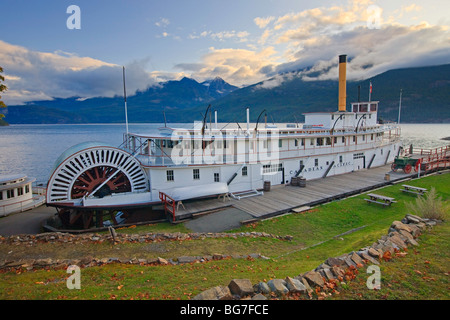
x,y
429,206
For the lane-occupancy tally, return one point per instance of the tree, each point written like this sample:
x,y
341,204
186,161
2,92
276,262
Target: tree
x,y
2,88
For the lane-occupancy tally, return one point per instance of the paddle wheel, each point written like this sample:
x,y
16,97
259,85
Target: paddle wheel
x,y
89,181
91,171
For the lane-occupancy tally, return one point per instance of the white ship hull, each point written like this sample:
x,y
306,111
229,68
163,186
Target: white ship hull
x,y
211,159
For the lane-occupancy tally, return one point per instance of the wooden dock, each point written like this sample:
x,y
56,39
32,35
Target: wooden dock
x,y
284,198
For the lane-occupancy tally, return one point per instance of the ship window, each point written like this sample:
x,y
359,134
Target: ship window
x,y
244,171
320,141
354,138
20,191
371,136
269,168
335,140
316,162
216,177
10,193
328,141
27,188
296,142
280,143
170,176
196,174
312,142
340,159
1,195
364,137
343,139
303,141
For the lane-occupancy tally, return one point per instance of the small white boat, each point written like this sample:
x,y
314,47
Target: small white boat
x,y
16,194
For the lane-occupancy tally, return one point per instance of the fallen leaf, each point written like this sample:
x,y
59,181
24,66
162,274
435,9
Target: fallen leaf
x,y
120,287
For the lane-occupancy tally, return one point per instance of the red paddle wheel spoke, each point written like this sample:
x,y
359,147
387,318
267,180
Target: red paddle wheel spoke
x,y
91,179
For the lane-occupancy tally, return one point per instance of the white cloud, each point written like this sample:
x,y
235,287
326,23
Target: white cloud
x,y
163,22
312,39
236,66
34,75
263,22
241,36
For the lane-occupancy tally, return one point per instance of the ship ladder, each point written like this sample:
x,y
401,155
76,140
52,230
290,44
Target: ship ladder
x,y
169,204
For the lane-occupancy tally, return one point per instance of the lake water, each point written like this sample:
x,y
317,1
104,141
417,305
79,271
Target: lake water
x,y
32,149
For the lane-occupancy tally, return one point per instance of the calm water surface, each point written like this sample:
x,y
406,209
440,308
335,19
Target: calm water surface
x,y
32,149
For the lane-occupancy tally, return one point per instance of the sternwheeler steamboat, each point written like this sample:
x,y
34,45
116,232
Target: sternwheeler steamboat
x,y
179,164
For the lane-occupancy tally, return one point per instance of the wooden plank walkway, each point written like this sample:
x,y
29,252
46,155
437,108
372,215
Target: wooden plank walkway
x,y
283,198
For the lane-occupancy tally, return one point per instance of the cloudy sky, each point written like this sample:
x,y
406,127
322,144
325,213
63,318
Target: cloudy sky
x,y
242,41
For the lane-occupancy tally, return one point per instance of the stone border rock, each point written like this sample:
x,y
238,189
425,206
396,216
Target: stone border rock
x,y
113,237
33,264
331,272
32,239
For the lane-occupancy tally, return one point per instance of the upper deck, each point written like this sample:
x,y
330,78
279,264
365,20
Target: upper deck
x,y
213,143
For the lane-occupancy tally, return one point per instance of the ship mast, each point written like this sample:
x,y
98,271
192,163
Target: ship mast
x,y
125,98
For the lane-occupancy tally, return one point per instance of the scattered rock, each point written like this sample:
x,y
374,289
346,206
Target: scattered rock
x,y
430,223
373,252
398,241
294,285
162,261
413,218
369,258
261,287
398,225
335,262
338,271
259,296
406,235
314,278
278,286
413,242
415,230
241,287
356,259
215,293
186,259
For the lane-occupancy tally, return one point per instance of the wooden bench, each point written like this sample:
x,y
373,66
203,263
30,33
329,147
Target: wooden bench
x,y
412,189
379,199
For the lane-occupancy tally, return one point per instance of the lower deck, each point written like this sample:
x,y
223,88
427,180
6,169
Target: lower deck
x,y
284,198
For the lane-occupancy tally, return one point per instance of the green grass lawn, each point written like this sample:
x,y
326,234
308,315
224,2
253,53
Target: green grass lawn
x,y
314,240
423,274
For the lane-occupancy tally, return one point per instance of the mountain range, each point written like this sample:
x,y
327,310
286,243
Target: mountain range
x,y
425,99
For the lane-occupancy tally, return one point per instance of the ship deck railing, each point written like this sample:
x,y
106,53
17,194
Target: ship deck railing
x,y
195,134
